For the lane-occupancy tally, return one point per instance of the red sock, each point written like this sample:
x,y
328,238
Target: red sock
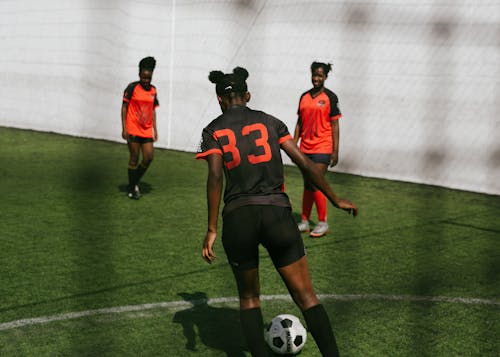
x,y
320,200
307,203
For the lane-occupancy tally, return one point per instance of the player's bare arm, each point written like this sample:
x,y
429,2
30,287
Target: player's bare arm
x,y
124,119
334,159
155,130
316,176
214,193
298,130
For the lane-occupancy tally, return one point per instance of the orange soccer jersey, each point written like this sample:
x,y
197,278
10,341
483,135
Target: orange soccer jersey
x,y
141,106
316,115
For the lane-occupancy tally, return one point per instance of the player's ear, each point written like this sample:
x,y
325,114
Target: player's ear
x,y
219,99
247,97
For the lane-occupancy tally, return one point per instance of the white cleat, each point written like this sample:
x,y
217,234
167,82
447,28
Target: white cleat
x,y
320,230
303,226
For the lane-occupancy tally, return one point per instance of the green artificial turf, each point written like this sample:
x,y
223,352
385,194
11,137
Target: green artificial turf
x,y
416,274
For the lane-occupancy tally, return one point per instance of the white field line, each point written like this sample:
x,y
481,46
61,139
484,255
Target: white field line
x,y
184,303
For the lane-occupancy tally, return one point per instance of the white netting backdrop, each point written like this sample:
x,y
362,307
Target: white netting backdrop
x,y
418,81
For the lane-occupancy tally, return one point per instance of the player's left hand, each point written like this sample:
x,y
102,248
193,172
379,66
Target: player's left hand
x,y
348,206
207,251
334,159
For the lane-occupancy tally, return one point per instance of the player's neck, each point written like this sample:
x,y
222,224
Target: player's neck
x,y
317,91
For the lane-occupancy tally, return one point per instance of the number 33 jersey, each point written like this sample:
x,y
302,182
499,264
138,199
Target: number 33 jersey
x,y
249,143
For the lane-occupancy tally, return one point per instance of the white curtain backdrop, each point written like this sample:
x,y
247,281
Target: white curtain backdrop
x,y
418,81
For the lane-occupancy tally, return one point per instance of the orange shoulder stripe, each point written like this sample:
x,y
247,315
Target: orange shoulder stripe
x,y
284,138
203,155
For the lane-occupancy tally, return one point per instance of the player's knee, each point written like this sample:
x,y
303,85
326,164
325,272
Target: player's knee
x,y
132,162
305,299
147,161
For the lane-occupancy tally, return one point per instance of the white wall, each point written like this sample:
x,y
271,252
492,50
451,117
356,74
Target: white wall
x,y
418,82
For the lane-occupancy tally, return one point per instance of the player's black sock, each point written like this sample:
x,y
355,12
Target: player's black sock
x,y
253,330
140,172
132,179
320,328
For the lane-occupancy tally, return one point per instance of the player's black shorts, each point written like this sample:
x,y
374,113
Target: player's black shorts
x,y
246,227
139,139
319,158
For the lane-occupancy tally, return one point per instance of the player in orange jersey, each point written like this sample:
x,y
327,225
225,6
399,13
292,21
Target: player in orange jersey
x,y
318,131
139,123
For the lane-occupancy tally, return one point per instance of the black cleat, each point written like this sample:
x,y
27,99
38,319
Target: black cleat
x,y
134,194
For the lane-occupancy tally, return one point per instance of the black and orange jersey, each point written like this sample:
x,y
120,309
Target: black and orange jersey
x,y
316,115
141,105
249,142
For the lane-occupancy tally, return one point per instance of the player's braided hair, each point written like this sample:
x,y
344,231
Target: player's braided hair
x,y
226,83
147,63
327,67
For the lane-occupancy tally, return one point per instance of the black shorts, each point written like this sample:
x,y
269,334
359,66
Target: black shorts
x,y
246,227
139,139
320,158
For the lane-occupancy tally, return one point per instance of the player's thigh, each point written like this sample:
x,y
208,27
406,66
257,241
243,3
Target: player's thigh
x,y
134,148
147,150
298,282
240,237
321,161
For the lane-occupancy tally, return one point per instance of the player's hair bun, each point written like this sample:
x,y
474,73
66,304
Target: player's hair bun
x,y
216,76
147,63
241,73
226,83
327,67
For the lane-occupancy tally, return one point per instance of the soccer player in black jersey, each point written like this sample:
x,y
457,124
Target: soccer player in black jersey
x,y
244,146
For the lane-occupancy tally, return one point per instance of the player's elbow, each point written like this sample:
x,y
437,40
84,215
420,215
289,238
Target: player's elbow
x,y
214,178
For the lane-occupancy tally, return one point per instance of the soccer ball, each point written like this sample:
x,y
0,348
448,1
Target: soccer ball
x,y
286,335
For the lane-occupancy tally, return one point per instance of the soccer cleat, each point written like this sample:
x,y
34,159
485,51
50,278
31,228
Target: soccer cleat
x,y
134,194
303,226
320,230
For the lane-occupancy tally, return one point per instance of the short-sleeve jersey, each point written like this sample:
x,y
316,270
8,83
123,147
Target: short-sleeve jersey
x,y
141,105
316,115
249,142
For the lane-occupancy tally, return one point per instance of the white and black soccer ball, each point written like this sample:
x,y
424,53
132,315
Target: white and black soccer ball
x,y
286,334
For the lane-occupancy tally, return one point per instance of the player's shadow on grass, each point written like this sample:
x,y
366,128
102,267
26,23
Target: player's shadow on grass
x,y
298,217
144,187
215,327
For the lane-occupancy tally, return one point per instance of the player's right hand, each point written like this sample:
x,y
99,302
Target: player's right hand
x,y
124,135
207,251
348,206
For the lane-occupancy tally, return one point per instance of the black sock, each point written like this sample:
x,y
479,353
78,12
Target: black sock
x,y
320,328
132,179
253,330
140,172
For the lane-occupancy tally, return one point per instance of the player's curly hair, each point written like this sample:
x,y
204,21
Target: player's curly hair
x,y
327,67
147,63
226,83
